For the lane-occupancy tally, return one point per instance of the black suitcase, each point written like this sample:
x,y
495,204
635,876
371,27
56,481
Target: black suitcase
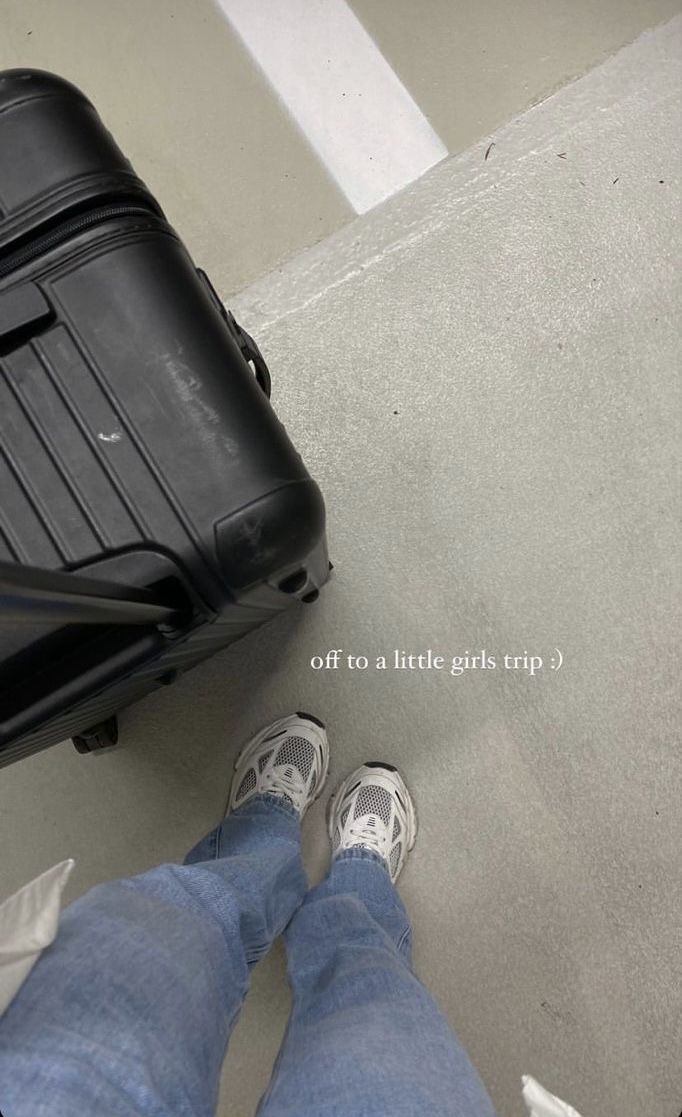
x,y
152,507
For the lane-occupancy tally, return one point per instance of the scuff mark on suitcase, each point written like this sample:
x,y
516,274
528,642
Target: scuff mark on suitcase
x,y
188,389
115,436
187,386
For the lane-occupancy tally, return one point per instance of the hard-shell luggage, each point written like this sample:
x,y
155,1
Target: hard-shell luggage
x,y
152,507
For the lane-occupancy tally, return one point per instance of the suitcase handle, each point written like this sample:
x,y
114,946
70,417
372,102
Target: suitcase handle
x,y
250,352
247,346
30,595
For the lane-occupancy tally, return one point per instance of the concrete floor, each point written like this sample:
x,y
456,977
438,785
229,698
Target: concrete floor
x,y
195,115
518,315
493,359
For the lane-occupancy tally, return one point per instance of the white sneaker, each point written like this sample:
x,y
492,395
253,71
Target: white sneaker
x,y
373,809
289,758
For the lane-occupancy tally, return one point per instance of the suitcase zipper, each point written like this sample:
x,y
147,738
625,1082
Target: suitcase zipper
x,y
70,227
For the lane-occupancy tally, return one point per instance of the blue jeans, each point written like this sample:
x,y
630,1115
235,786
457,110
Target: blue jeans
x,y
129,1012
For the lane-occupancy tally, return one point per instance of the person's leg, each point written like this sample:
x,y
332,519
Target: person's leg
x,y
129,1012
365,1038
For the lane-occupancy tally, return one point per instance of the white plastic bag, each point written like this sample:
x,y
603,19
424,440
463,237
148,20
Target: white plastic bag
x,y
28,923
543,1104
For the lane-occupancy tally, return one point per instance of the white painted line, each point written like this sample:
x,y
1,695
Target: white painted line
x,y
341,91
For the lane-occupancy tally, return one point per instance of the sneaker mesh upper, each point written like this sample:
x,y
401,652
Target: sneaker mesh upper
x,y
289,759
373,800
376,816
247,784
297,752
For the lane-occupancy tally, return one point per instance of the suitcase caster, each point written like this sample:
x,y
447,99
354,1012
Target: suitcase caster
x,y
101,736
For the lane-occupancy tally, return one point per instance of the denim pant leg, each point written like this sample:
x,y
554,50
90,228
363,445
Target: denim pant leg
x,y
365,1038
128,1013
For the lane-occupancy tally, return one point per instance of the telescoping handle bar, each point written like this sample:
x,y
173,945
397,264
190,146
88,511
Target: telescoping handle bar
x,y
29,595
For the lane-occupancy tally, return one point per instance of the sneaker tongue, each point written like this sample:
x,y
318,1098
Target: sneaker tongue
x,y
373,800
296,752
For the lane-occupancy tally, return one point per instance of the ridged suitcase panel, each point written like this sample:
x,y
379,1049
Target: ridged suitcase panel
x,y
54,451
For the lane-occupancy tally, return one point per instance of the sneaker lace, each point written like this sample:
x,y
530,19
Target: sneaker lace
x,y
371,834
288,781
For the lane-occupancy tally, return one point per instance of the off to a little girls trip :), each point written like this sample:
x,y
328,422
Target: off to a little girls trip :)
x,y
398,659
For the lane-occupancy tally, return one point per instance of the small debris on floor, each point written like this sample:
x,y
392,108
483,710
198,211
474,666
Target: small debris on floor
x,y
488,150
561,155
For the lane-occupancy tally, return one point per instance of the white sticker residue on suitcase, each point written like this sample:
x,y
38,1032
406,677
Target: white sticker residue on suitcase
x,y
342,93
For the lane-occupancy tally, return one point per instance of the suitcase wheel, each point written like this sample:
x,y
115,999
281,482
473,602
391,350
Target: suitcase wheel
x,y
101,736
295,582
